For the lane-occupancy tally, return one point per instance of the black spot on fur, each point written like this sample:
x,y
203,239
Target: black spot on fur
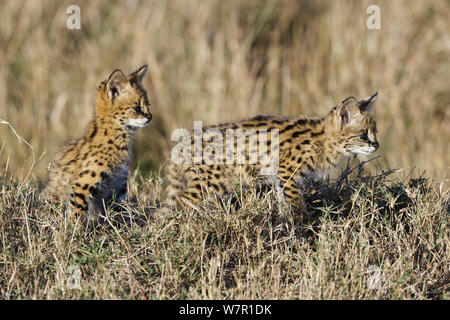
x,y
298,133
82,173
93,190
287,128
248,125
94,132
78,206
285,141
195,195
315,134
80,196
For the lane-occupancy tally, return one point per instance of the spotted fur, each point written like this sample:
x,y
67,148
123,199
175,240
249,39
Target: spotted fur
x,y
92,171
305,146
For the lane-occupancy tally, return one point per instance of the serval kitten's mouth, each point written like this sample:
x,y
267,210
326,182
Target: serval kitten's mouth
x,y
365,150
139,123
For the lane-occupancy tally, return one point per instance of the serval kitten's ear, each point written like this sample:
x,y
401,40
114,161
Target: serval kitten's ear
x,y
138,75
116,84
347,110
368,103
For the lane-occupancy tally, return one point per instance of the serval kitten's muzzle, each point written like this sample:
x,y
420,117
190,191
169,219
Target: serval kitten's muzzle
x,y
375,145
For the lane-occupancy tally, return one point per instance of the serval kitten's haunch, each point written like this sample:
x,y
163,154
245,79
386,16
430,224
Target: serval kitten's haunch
x,y
304,146
92,171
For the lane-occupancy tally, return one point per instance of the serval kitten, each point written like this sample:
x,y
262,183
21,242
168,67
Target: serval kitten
x,y
303,145
92,171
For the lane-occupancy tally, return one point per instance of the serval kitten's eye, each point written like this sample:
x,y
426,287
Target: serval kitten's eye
x,y
364,136
138,109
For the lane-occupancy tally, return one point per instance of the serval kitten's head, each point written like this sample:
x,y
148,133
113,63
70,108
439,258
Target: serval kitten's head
x,y
354,126
123,99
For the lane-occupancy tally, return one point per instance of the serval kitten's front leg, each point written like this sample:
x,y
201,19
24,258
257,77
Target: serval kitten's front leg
x,y
78,201
289,184
83,188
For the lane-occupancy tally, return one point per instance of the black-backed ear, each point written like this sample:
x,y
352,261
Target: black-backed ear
x,y
347,109
368,103
116,84
138,75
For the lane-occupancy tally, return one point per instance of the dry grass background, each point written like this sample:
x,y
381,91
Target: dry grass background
x,y
222,61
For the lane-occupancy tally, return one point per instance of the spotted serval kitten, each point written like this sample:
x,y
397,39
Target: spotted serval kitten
x,y
304,146
93,170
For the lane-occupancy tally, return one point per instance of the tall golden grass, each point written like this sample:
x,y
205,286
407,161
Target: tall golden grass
x,y
222,61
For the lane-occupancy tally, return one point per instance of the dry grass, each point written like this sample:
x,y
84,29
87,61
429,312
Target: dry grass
x,y
223,251
222,61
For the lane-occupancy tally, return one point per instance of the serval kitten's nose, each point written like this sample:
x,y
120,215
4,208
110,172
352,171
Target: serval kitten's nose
x,y
149,117
375,145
